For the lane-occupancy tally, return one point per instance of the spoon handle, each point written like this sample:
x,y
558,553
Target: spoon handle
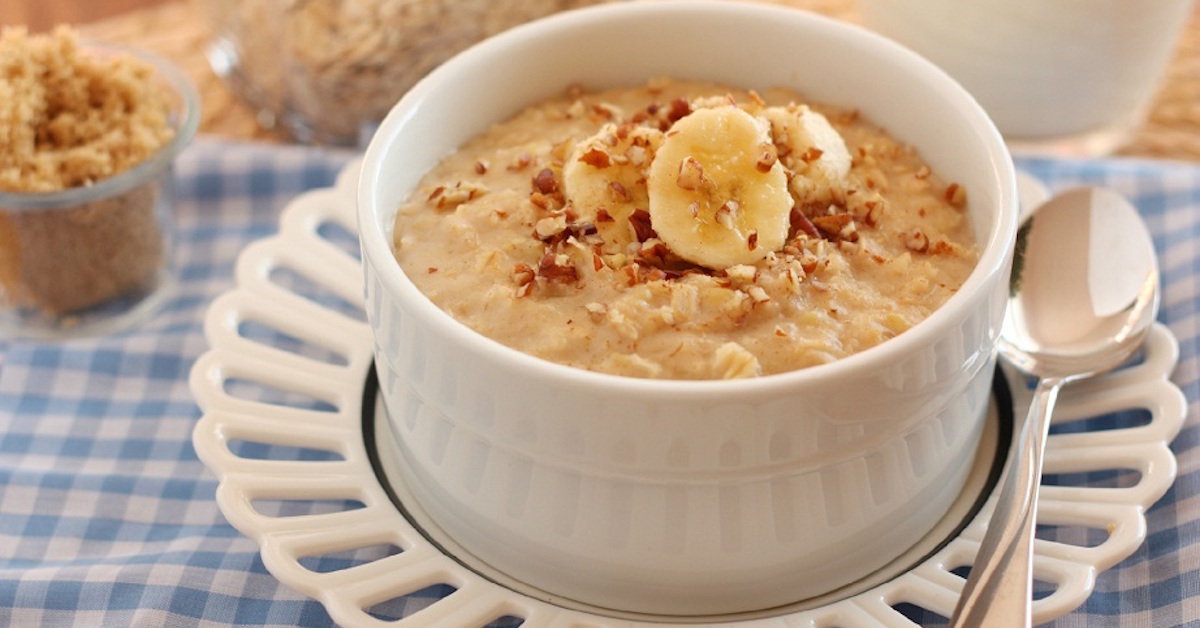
x,y
999,588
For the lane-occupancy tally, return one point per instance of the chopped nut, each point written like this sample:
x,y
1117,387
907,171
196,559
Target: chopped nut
x,y
636,154
942,247
481,166
741,273
678,109
758,294
752,239
522,274
831,226
447,198
545,181
550,226
521,161
811,154
691,174
557,268
956,195
916,241
838,194
607,111
596,158
767,157
873,213
643,230
631,272
802,224
581,229
541,201
795,275
726,214
783,144
809,262
602,215
849,233
618,191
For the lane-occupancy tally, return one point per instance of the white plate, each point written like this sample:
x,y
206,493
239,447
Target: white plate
x,y
286,376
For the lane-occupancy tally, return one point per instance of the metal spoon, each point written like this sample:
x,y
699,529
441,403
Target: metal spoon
x,y
1083,294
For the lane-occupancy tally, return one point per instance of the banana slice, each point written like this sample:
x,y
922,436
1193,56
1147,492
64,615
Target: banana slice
x,y
718,194
812,140
604,179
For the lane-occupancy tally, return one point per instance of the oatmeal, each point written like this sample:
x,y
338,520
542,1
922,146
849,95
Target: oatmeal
x,y
686,230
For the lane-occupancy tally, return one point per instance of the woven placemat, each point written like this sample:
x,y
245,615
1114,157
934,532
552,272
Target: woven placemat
x,y
179,32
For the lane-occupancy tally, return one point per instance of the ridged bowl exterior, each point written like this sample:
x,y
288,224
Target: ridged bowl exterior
x,y
686,498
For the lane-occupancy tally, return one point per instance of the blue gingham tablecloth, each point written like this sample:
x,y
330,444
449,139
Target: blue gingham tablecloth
x,y
107,518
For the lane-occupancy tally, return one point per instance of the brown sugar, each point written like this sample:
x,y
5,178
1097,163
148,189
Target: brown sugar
x,y
78,257
70,119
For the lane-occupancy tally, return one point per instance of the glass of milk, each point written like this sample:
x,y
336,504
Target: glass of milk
x,y
1069,77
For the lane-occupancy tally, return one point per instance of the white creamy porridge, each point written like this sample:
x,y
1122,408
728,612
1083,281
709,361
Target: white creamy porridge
x,y
686,230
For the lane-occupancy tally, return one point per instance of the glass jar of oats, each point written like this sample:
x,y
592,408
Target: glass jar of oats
x,y
327,71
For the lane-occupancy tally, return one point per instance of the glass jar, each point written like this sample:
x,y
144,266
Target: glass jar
x,y
95,259
327,71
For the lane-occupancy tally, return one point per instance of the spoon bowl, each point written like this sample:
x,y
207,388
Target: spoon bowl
x,y
1084,290
1083,295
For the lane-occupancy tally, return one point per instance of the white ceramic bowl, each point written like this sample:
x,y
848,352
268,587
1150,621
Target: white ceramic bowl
x,y
674,497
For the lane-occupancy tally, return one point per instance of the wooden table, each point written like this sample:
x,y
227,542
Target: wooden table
x,y
176,30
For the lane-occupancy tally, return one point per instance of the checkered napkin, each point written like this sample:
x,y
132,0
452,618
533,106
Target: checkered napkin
x,y
108,519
